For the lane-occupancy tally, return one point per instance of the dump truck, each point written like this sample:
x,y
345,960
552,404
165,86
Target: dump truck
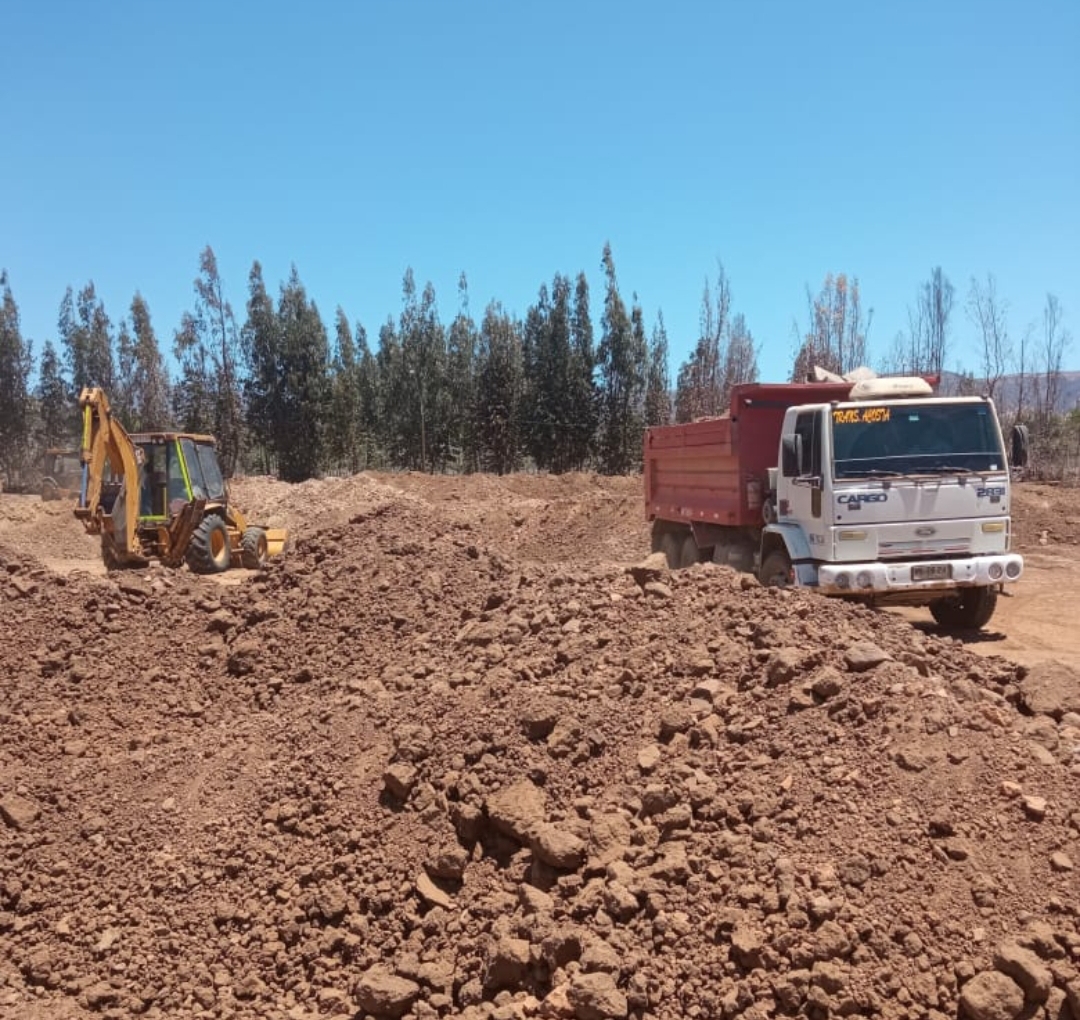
x,y
162,495
878,491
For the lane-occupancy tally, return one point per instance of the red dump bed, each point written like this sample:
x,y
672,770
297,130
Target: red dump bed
x,y
714,470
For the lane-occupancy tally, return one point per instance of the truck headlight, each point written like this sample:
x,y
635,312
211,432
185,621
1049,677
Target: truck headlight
x,y
1012,570
863,579
995,571
843,580
992,527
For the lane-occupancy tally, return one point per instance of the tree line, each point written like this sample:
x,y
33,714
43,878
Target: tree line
x,y
285,394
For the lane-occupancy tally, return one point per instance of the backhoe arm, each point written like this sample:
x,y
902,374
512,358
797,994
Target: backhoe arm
x,y
104,441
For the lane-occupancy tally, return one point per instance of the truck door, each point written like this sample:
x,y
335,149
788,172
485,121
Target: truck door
x,y
804,491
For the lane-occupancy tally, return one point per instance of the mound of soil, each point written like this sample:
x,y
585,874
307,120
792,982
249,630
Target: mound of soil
x,y
442,762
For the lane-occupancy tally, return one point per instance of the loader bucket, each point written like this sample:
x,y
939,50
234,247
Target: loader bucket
x,y
275,540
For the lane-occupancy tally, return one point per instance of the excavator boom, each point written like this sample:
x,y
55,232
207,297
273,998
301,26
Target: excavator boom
x,y
105,441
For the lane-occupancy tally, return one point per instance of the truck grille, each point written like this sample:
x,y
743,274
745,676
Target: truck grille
x,y
925,547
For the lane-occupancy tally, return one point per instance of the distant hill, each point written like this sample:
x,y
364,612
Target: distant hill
x,y
1008,390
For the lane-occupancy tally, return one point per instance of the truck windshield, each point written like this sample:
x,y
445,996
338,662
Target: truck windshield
x,y
915,439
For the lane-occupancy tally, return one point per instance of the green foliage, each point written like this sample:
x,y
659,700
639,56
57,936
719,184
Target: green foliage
x,y
724,356
658,406
194,395
500,391
121,399
260,344
702,386
16,362
299,403
369,384
461,382
835,336
86,338
584,398
207,345
151,397
344,428
623,355
57,413
495,397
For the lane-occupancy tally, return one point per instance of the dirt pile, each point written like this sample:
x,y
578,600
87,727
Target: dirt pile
x,y
420,770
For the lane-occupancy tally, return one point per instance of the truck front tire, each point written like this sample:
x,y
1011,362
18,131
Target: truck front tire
x,y
970,609
775,571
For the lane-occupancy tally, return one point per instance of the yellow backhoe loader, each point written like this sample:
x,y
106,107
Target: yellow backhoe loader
x,y
161,495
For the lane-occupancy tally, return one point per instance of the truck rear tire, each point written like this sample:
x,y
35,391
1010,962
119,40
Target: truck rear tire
x,y
775,572
209,551
971,609
689,554
671,547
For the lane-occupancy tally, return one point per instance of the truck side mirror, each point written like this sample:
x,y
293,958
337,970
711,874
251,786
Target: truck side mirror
x,y
791,455
1019,446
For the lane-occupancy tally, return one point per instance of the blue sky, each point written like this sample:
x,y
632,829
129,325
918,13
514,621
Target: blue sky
x,y
511,140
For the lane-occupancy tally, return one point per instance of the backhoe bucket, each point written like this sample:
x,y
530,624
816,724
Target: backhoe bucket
x,y
275,540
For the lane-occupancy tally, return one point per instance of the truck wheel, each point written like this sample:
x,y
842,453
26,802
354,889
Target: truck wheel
x,y
254,552
208,551
689,554
671,547
971,609
776,571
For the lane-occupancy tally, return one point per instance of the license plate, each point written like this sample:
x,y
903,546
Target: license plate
x,y
931,572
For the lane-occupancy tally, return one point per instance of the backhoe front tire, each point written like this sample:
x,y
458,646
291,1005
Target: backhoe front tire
x,y
208,551
254,551
971,609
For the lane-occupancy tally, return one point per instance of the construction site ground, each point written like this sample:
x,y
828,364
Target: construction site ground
x,y
460,753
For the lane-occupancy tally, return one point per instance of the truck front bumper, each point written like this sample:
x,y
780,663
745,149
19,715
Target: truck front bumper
x,y
925,575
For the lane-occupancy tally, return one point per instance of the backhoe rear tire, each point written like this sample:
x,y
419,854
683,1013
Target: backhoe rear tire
x,y
971,609
254,551
208,551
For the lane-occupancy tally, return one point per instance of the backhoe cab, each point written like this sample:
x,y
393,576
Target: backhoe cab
x,y
161,495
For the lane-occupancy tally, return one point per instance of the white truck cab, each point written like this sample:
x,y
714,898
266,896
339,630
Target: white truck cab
x,y
894,496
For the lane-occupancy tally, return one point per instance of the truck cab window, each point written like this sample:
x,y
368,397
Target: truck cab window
x,y
808,427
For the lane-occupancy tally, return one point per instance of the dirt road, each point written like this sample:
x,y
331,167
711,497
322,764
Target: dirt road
x,y
1037,619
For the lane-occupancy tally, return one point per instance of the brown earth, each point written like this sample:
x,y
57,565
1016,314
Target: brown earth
x,y
456,756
